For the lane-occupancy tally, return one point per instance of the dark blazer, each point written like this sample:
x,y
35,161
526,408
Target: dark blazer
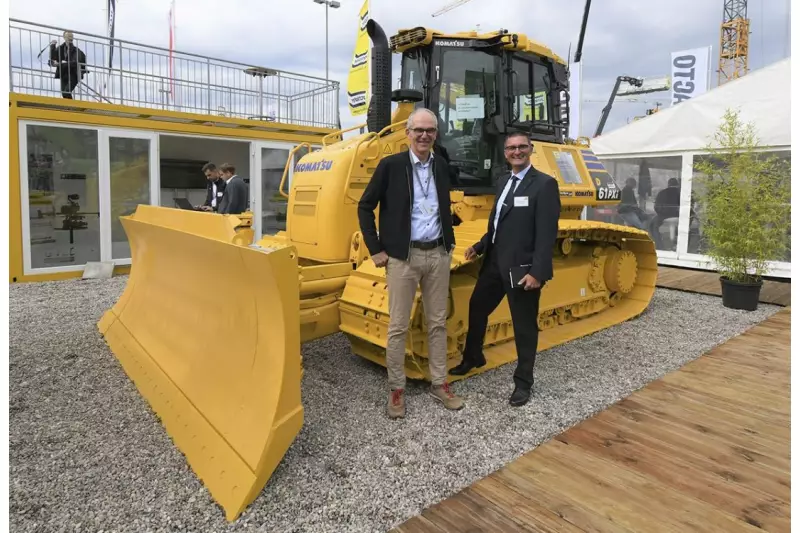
x,y
210,192
526,235
392,188
69,60
234,199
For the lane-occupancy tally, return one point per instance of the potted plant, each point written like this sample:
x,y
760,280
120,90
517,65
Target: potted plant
x,y
744,198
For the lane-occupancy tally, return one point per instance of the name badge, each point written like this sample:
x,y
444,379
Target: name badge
x,y
219,195
520,201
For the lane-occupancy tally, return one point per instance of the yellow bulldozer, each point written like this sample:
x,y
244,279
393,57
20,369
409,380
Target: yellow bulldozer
x,y
223,371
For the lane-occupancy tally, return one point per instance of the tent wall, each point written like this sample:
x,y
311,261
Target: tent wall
x,y
665,146
678,239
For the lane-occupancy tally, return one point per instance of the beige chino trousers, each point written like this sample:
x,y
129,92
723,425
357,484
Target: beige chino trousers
x,y
430,270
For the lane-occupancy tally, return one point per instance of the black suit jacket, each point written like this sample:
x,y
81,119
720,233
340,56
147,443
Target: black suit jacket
x,y
69,60
210,192
392,188
234,199
526,235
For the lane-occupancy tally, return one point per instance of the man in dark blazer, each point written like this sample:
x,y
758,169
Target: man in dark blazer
x,y
414,241
215,187
234,198
518,245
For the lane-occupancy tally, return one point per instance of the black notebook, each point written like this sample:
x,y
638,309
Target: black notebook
x,y
516,273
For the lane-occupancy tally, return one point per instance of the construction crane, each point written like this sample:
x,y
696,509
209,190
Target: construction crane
x,y
448,7
734,41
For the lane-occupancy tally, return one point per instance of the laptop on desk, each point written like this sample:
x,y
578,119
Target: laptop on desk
x,y
183,203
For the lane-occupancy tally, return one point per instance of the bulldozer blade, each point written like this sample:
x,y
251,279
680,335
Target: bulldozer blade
x,y
222,368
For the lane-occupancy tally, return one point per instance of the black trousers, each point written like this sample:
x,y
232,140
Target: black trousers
x,y
68,84
487,295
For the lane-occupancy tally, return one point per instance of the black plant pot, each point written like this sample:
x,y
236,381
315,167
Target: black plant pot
x,y
737,295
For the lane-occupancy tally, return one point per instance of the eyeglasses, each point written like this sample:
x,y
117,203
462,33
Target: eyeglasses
x,y
420,131
520,147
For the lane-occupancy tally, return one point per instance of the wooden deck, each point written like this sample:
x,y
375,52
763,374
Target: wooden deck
x,y
706,448
685,279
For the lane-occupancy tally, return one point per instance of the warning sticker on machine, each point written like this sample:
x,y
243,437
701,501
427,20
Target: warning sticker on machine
x,y
567,168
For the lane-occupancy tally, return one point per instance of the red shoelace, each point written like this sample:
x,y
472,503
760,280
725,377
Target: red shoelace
x,y
396,396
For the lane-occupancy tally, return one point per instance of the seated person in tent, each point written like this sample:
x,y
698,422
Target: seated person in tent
x,y
629,209
667,205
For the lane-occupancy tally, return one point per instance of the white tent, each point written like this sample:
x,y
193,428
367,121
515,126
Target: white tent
x,y
762,97
654,159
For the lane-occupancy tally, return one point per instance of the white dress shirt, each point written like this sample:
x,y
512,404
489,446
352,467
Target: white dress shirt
x,y
425,225
502,201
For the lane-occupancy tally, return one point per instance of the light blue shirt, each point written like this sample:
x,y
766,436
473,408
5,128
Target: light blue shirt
x,y
425,225
502,200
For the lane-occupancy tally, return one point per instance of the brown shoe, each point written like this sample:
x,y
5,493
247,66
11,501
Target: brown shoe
x,y
397,404
446,396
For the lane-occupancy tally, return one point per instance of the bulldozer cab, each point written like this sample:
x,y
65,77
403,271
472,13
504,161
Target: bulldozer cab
x,y
482,87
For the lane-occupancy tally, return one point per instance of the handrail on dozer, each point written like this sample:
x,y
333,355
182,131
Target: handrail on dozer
x,y
289,163
227,390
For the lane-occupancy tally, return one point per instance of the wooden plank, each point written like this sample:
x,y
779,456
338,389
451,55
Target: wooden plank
x,y
653,506
705,434
581,505
417,524
705,448
670,470
473,514
707,282
732,462
704,407
539,517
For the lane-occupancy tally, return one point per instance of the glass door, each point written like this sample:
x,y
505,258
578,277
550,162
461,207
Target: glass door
x,y
129,160
60,204
270,207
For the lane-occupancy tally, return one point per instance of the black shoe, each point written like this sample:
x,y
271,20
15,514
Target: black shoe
x,y
519,397
465,366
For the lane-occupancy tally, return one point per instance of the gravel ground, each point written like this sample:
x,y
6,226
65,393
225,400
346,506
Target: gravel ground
x,y
86,453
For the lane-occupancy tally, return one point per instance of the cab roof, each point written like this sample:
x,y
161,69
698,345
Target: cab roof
x,y
408,38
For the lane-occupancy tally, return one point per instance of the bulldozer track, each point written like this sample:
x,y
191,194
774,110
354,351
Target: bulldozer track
x,y
604,274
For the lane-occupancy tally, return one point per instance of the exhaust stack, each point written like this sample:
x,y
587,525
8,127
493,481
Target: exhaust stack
x,y
379,113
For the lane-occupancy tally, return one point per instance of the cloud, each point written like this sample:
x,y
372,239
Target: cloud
x,y
622,37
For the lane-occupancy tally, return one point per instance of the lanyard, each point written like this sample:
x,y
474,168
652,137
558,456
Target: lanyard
x,y
427,188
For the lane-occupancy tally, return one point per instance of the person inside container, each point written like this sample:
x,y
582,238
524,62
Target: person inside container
x,y
70,64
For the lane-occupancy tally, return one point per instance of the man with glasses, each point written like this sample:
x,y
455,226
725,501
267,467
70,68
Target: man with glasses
x,y
518,260
414,242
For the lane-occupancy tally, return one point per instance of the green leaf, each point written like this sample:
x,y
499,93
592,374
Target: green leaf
x,y
744,195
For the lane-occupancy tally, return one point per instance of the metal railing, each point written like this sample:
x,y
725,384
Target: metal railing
x,y
134,74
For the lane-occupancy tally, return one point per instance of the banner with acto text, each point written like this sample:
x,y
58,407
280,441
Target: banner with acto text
x,y
690,73
358,77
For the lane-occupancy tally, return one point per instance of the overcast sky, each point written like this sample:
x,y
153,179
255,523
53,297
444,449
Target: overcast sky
x,y
623,37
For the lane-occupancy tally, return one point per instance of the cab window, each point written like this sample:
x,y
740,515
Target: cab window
x,y
531,85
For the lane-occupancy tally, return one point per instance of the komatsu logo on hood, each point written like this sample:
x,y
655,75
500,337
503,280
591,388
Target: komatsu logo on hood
x,y
450,43
313,166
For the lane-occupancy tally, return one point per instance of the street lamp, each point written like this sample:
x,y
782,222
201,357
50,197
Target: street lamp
x,y
328,3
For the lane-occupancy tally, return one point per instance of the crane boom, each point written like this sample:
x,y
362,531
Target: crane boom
x,y
448,7
579,50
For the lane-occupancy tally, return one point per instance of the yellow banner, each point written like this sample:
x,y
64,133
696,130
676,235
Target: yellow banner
x,y
358,77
